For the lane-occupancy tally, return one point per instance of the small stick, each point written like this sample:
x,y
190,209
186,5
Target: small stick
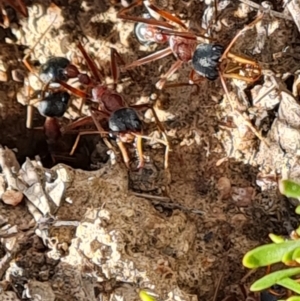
x,y
167,202
218,287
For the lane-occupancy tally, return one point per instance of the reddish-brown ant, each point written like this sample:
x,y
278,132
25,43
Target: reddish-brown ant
x,y
123,121
53,101
208,60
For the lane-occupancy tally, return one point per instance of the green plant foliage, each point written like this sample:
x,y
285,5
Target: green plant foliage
x,y
271,253
280,277
276,238
281,250
289,188
145,296
293,298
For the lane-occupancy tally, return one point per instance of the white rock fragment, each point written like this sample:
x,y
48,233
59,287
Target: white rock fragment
x,y
55,191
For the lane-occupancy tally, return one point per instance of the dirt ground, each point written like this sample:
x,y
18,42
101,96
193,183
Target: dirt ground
x,y
180,232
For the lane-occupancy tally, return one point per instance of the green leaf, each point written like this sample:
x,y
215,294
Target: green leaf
x,y
293,298
290,284
145,296
289,188
274,278
276,238
268,254
296,255
287,258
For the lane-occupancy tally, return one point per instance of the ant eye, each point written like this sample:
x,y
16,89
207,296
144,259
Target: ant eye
x,y
206,60
140,29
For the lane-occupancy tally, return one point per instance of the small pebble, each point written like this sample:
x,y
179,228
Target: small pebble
x,y
3,76
12,197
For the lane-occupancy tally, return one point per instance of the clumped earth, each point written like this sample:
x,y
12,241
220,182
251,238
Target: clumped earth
x,y
102,231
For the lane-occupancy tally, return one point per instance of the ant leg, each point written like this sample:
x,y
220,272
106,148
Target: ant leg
x,y
122,14
29,111
195,78
101,130
84,121
246,122
79,93
73,90
75,124
215,10
115,61
30,105
114,55
25,59
29,116
160,84
6,21
123,152
166,143
166,15
78,138
164,134
252,71
258,18
187,35
93,67
150,58
30,69
139,146
160,128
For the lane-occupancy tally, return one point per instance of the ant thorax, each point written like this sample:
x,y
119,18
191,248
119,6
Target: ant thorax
x,y
110,100
97,92
182,48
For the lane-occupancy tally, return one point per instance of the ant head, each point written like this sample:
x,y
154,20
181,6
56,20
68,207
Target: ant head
x,y
140,30
148,34
125,120
206,58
